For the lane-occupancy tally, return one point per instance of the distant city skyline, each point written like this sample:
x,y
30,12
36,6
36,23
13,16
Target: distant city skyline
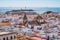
x,y
29,3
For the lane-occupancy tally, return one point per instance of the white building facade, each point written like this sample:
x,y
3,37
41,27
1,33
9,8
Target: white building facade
x,y
7,36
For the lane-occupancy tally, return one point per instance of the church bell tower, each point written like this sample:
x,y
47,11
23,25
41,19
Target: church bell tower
x,y
25,21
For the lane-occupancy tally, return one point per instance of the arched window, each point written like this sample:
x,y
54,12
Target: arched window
x,y
14,37
11,37
7,38
3,38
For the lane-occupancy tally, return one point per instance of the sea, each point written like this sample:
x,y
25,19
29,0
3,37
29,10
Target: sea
x,y
39,10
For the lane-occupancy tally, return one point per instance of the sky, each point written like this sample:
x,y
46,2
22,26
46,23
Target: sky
x,y
29,3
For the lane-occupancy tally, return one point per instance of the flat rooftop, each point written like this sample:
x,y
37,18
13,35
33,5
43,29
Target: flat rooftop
x,y
6,33
5,24
1,33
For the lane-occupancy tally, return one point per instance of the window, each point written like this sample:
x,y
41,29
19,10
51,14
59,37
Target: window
x,y
14,37
3,38
7,38
11,37
39,28
14,26
32,27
